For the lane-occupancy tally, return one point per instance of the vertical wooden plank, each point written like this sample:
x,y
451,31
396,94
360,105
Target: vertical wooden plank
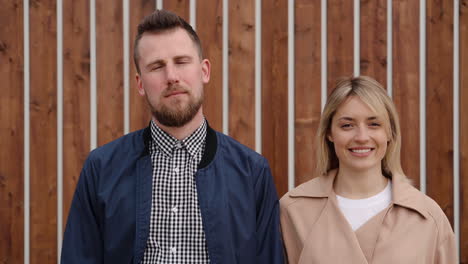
x,y
209,27
463,131
11,132
180,7
242,71
307,93
274,90
406,82
373,50
339,40
43,137
439,104
109,49
76,95
139,111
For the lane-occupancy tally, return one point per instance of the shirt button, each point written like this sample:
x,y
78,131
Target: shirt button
x,y
178,145
173,250
176,169
174,209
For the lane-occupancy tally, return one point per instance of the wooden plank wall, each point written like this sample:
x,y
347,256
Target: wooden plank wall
x,y
308,91
11,133
210,33
405,61
76,95
439,103
139,113
340,40
242,122
274,90
43,133
109,64
373,27
242,71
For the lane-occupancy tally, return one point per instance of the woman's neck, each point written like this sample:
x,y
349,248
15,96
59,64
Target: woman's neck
x,y
359,184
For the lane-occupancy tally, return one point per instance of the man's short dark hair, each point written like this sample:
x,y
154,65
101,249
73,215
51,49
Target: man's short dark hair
x,y
160,21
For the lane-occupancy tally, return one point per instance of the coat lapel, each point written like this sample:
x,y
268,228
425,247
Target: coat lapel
x,y
368,234
143,205
329,235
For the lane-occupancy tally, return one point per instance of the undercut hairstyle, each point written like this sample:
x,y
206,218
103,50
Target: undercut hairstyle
x,y
163,21
376,98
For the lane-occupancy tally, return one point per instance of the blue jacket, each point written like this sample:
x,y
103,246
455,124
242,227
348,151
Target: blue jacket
x,y
110,213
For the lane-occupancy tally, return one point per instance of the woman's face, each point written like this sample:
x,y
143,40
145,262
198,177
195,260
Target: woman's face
x,y
359,136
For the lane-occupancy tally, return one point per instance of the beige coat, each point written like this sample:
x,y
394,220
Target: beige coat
x,y
412,230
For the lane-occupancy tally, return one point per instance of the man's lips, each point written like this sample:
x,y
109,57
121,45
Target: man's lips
x,y
175,93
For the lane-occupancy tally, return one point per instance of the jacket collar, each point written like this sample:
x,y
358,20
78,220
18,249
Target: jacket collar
x,y
404,194
211,145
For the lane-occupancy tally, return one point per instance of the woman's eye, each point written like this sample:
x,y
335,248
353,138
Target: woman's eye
x,y
346,126
375,124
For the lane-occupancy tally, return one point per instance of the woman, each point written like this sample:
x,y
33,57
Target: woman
x,y
362,208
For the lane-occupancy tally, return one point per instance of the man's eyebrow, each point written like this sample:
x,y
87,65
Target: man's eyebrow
x,y
183,57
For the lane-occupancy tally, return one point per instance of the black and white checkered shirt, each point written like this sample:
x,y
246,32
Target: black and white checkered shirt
x,y
176,231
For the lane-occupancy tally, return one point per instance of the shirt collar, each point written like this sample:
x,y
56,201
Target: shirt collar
x,y
403,193
166,143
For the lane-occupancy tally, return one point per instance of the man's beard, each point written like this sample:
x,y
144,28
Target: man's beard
x,y
179,114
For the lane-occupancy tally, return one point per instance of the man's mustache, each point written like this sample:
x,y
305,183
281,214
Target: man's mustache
x,y
175,88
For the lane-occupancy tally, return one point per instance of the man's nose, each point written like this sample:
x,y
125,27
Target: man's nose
x,y
172,74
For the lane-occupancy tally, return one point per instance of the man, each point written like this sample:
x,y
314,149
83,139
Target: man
x,y
177,191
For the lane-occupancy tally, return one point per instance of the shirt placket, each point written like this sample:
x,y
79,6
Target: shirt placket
x,y
177,193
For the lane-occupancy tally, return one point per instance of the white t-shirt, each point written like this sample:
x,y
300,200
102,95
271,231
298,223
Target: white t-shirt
x,y
358,212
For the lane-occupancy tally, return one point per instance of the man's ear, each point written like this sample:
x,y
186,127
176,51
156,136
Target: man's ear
x,y
141,91
206,70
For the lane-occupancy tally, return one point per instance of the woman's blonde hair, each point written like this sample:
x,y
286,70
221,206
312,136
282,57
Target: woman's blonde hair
x,y
373,95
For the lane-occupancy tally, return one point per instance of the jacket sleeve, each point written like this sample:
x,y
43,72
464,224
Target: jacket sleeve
x,y
82,241
269,243
446,245
447,250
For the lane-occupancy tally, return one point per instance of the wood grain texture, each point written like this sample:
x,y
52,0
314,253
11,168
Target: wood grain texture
x,y
43,133
373,42
339,41
439,104
406,82
242,72
274,90
307,86
11,132
109,49
140,115
209,27
76,95
464,131
180,7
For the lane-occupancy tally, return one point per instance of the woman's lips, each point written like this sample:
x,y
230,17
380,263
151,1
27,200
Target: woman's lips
x,y
361,151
